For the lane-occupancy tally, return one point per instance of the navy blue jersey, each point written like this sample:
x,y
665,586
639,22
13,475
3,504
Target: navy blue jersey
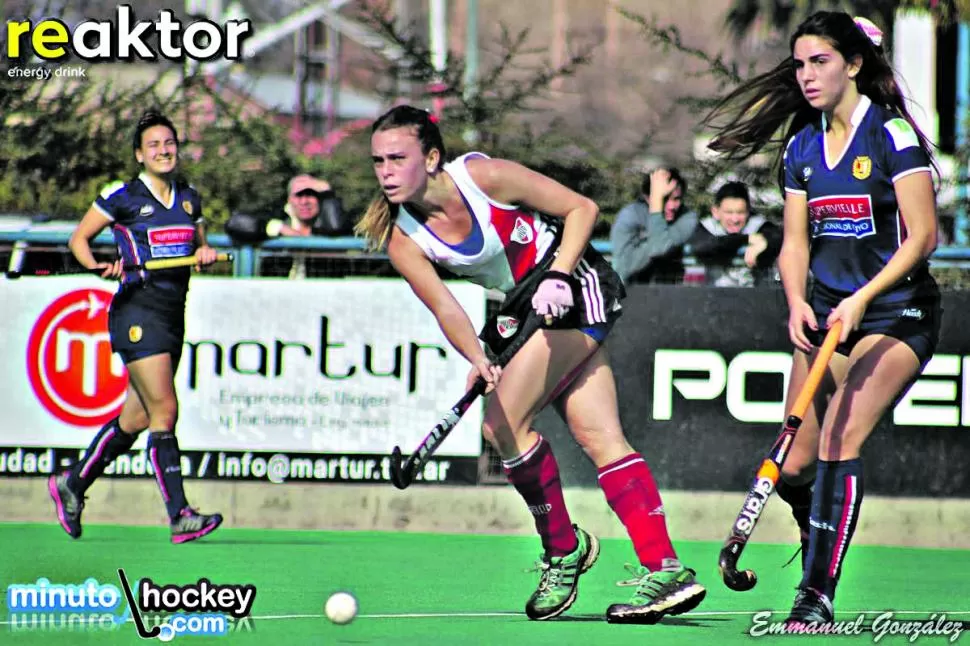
x,y
145,228
853,214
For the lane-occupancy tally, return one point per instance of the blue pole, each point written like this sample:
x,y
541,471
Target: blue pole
x,y
961,232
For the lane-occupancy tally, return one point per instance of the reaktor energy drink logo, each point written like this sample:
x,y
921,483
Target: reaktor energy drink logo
x,y
70,365
126,38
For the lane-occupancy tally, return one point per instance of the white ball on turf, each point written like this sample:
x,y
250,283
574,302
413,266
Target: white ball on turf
x,y
341,608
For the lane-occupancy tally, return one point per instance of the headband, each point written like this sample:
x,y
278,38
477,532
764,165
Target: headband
x,y
873,33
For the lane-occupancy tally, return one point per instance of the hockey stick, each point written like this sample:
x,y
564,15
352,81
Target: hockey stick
x,y
770,471
150,265
403,473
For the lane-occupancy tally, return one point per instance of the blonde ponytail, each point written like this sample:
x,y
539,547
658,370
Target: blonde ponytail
x,y
375,226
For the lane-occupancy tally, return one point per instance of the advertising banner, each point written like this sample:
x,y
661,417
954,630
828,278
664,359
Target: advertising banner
x,y
701,375
320,377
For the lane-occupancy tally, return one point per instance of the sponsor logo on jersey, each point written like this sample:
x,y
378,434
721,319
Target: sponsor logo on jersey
x,y
912,313
806,173
506,326
147,209
901,133
862,167
842,216
167,242
522,232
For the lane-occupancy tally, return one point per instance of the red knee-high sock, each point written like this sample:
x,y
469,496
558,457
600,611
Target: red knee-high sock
x,y
632,493
535,475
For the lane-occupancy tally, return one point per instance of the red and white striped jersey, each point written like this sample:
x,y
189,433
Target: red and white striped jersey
x,y
506,241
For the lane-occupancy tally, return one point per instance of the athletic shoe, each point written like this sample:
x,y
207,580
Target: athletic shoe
x,y
667,592
68,504
811,606
190,525
560,578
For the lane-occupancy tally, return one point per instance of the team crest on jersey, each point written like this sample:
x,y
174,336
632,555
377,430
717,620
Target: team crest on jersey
x,y
187,206
806,173
506,326
522,232
862,167
134,333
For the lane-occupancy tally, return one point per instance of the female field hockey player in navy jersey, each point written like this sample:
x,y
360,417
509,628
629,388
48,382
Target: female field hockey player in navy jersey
x,y
505,227
860,215
153,216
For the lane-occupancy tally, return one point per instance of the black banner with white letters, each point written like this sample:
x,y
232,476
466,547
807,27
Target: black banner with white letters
x,y
276,467
701,373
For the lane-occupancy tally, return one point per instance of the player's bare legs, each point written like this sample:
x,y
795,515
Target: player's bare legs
x,y
528,381
153,379
798,472
663,586
878,369
115,438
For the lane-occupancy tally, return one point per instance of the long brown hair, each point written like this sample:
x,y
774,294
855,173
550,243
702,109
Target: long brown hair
x,y
755,113
376,224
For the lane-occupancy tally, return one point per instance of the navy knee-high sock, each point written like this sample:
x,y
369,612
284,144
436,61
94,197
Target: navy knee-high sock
x,y
163,451
835,514
109,443
799,498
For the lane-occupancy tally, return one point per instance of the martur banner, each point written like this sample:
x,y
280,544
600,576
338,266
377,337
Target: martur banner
x,y
337,368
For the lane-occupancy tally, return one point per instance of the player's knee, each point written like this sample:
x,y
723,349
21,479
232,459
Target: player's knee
x,y
792,471
498,431
163,415
134,423
602,445
844,442
495,433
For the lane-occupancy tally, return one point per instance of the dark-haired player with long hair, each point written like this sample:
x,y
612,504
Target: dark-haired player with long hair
x,y
505,227
860,215
155,215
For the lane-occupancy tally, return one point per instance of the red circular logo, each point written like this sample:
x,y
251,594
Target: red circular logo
x,y
71,367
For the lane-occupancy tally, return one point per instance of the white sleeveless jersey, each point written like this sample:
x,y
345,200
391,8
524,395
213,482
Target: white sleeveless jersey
x,y
506,241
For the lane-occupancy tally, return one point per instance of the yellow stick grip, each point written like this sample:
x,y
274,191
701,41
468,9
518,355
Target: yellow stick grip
x,y
181,261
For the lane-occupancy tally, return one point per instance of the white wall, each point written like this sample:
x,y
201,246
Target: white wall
x,y
914,57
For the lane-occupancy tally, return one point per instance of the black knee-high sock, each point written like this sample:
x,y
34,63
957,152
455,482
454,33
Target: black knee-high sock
x,y
799,498
835,514
109,443
163,451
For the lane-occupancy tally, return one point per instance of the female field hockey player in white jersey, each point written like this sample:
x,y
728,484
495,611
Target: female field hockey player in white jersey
x,y
505,227
860,215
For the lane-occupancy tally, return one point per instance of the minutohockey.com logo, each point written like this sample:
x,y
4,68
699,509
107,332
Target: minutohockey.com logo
x,y
157,611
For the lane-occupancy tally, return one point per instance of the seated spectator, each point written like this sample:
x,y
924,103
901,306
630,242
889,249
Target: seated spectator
x,y
312,208
302,206
718,239
649,234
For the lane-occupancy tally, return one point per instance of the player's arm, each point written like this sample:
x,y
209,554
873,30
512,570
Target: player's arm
x,y
917,205
204,254
512,183
793,267
794,254
93,223
408,259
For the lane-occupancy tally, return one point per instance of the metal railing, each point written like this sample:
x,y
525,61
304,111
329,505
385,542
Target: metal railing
x,y
329,257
